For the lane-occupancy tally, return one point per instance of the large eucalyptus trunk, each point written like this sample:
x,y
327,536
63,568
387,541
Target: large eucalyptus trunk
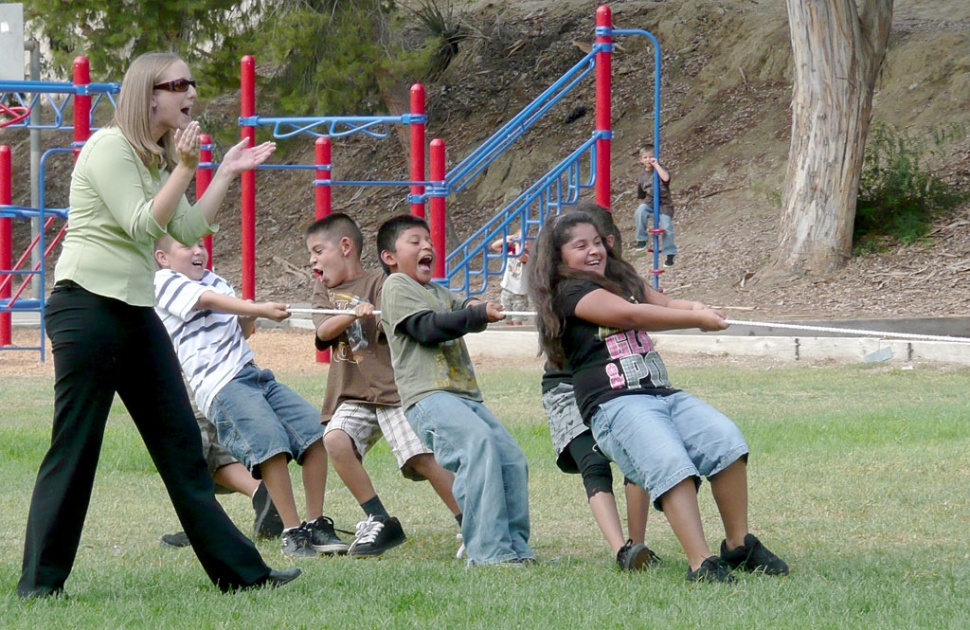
x,y
838,49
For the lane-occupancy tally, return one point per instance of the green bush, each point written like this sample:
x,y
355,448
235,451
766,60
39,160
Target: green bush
x,y
899,198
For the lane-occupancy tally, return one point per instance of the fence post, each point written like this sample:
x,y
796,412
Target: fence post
x,y
324,203
438,233
247,100
604,25
6,243
203,177
417,146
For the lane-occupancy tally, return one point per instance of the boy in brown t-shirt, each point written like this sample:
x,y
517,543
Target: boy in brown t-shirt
x,y
361,403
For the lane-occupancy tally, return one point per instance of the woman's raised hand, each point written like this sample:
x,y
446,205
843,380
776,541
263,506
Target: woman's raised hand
x,y
187,145
240,158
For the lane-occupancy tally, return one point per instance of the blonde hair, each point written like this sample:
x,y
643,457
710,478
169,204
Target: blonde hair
x,y
133,114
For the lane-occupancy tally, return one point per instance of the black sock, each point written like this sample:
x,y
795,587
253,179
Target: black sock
x,y
374,507
458,518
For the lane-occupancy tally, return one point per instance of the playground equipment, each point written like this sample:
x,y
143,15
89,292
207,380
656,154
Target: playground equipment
x,y
29,96
470,265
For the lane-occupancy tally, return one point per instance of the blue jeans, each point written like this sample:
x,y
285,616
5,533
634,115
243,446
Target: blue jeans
x,y
643,219
491,475
658,441
258,417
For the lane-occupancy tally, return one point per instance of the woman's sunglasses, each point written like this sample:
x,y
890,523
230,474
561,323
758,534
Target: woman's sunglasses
x,y
178,85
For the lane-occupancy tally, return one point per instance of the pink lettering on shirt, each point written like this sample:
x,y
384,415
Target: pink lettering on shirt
x,y
627,342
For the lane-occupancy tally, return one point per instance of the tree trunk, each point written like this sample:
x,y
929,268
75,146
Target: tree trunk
x,y
838,49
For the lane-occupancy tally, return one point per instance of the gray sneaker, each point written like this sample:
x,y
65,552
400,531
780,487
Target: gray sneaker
x,y
296,542
634,557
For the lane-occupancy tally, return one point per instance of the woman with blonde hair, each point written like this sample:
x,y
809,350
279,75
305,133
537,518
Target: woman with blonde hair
x,y
127,189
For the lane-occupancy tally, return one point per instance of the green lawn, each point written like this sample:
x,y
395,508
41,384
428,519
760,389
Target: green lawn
x,y
859,478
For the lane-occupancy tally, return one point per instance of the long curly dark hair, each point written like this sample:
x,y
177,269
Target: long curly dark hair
x,y
547,271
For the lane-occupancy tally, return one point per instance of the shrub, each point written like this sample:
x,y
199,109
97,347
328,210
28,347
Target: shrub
x,y
899,198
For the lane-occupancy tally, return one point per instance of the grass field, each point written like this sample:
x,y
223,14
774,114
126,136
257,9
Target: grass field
x,y
858,478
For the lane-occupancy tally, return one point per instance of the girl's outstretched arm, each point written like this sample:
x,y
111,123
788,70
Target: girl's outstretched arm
x,y
608,309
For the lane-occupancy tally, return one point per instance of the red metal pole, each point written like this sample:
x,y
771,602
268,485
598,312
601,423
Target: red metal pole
x,y
604,22
438,207
324,203
6,242
82,102
203,177
323,196
248,179
417,146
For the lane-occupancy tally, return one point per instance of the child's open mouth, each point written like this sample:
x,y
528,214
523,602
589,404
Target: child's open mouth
x,y
425,262
318,274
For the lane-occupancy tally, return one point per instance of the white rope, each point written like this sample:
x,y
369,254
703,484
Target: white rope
x,y
852,331
734,322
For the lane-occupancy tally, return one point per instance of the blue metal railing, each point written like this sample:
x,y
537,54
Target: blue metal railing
x,y
43,95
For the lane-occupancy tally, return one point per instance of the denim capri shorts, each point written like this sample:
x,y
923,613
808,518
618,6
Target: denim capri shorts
x,y
258,417
658,441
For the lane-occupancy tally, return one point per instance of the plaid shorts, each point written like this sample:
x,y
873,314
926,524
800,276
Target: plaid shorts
x,y
366,423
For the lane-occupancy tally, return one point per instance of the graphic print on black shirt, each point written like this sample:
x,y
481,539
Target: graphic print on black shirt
x,y
606,362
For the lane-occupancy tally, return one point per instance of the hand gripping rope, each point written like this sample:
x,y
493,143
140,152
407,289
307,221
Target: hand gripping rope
x,y
845,331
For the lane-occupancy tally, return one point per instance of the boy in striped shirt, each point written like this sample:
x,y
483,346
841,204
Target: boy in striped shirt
x,y
263,423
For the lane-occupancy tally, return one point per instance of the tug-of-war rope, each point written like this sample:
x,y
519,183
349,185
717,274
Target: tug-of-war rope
x,y
734,322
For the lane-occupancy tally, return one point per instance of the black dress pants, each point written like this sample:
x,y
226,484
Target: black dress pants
x,y
103,346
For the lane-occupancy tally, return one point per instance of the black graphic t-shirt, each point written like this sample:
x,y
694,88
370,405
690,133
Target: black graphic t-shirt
x,y
606,362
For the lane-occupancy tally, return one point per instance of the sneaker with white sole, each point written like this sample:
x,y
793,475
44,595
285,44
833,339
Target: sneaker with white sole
x,y
324,539
376,535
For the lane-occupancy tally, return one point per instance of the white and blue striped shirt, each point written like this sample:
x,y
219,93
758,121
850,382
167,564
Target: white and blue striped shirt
x,y
210,345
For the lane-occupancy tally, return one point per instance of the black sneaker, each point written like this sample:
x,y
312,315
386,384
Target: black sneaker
x,y
296,542
752,556
632,557
670,261
640,246
178,539
323,537
376,535
712,569
268,523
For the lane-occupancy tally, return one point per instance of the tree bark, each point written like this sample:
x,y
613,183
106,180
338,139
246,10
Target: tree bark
x,y
838,49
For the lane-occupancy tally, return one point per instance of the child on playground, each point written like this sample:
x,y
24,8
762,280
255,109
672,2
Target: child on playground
x,y
576,450
230,476
594,312
643,216
262,422
515,280
425,323
362,403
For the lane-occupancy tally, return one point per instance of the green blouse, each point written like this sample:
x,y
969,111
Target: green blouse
x,y
109,248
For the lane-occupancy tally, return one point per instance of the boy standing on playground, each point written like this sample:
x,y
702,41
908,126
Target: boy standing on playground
x,y
260,421
362,403
425,323
643,217
515,280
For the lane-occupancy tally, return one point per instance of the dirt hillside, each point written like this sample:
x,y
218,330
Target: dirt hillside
x,y
726,90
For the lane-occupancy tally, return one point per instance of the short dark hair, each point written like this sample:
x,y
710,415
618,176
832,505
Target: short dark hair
x,y
336,226
603,220
390,230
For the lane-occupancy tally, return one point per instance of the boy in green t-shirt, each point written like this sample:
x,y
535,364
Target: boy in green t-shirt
x,y
362,403
425,322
